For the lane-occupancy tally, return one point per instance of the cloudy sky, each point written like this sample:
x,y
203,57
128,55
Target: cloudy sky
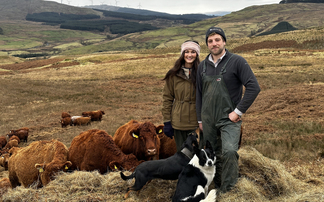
x,y
175,6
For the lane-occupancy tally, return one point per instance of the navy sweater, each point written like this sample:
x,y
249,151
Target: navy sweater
x,y
238,74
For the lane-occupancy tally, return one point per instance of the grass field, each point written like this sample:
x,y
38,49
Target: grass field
x,y
284,128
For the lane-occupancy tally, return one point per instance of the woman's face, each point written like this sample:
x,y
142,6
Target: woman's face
x,y
190,56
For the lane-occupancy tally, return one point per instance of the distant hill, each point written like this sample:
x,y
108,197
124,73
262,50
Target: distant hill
x,y
301,1
127,10
148,12
38,37
18,9
191,17
218,13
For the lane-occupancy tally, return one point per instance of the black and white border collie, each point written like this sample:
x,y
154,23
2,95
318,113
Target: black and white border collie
x,y
167,169
196,177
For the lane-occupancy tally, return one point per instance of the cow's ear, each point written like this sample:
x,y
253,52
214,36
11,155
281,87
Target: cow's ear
x,y
160,129
67,165
134,134
40,167
114,165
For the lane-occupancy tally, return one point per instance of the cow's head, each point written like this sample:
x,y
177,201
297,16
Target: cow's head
x,y
9,135
66,121
146,139
130,162
4,160
47,171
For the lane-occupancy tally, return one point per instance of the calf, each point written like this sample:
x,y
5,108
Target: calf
x,y
65,114
37,163
138,138
95,150
3,141
75,117
24,128
82,121
95,115
11,143
14,137
22,133
66,121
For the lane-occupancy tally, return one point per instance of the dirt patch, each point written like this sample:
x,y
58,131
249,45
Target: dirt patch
x,y
266,45
30,64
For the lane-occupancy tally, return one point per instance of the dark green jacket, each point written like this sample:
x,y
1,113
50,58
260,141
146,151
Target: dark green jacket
x,y
179,102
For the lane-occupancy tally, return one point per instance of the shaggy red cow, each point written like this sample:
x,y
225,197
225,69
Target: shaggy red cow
x,y
24,128
82,121
138,138
3,141
22,133
37,163
14,137
65,114
11,143
95,150
95,115
168,146
66,121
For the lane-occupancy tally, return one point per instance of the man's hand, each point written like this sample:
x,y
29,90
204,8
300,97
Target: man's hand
x,y
234,117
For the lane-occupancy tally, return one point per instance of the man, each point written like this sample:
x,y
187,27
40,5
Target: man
x,y
220,105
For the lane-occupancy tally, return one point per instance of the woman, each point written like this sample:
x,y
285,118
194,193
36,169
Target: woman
x,y
179,94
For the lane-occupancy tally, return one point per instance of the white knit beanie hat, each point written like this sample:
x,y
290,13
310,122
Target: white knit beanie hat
x,y
190,45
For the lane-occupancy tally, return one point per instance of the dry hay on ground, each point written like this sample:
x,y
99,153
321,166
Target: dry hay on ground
x,y
92,186
262,179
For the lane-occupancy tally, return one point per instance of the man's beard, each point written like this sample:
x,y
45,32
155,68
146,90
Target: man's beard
x,y
218,52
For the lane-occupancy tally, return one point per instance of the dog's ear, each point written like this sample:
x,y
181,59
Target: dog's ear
x,y
195,143
196,150
208,145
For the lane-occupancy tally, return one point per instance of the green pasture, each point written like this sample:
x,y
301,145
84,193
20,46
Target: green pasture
x,y
14,43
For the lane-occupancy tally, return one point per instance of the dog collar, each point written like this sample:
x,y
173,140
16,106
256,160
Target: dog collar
x,y
186,152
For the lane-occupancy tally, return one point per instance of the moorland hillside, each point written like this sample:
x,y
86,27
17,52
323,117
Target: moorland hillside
x,y
281,158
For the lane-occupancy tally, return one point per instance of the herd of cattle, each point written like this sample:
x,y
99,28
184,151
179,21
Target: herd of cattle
x,y
37,163
85,119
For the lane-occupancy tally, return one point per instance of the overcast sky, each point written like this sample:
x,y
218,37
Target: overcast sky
x,y
175,6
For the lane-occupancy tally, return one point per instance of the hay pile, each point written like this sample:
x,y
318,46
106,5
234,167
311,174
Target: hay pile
x,y
262,179
91,186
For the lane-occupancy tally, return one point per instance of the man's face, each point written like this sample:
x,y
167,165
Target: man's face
x,y
216,45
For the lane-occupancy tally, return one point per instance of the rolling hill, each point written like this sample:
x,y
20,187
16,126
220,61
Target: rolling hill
x,y
36,37
18,9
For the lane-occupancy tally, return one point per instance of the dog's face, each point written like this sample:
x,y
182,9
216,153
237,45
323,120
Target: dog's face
x,y
207,156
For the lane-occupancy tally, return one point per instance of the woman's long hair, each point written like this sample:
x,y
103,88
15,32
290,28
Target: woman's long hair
x,y
180,63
